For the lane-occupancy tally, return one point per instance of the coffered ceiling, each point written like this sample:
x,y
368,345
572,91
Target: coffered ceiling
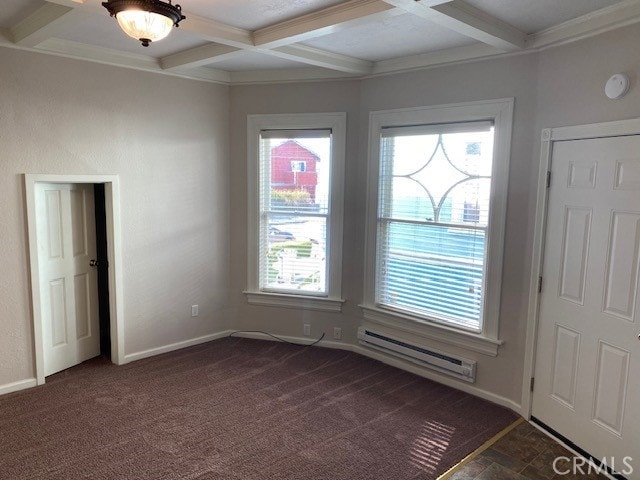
x,y
239,41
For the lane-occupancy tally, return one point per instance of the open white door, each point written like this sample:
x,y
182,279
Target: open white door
x,y
587,374
66,235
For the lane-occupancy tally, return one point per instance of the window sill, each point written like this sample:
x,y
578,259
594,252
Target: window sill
x,y
459,338
294,301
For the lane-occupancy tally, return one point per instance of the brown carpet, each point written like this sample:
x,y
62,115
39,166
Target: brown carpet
x,y
241,409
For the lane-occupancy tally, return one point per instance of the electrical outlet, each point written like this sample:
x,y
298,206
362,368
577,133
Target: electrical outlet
x,y
195,311
337,333
306,329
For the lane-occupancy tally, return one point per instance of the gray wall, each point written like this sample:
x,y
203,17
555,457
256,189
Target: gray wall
x,y
167,139
336,96
555,87
505,77
179,148
508,77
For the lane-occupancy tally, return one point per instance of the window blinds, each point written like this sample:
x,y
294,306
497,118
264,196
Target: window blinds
x,y
294,206
433,215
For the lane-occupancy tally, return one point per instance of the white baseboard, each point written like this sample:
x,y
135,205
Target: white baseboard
x,y
132,357
436,377
387,359
17,386
398,363
298,340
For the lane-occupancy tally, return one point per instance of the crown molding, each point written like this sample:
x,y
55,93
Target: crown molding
x,y
105,56
438,58
325,66
594,23
288,75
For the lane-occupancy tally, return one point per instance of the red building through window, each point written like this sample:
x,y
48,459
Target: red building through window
x,y
293,167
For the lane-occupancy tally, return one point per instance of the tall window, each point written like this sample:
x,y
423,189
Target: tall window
x,y
431,237
295,168
294,209
435,236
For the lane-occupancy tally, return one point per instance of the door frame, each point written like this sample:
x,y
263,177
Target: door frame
x,y
548,138
114,254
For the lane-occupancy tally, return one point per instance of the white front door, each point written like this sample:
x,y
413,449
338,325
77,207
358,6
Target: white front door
x,y
587,375
66,234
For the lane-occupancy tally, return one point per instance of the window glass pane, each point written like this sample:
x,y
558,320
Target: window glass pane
x,y
468,202
295,254
415,154
411,200
433,216
297,177
294,202
434,270
471,152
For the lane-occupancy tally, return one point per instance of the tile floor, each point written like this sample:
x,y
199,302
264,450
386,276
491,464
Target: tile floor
x,y
523,453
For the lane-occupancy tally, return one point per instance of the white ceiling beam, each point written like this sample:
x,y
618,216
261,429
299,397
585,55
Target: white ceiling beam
x,y
92,53
412,6
241,39
470,21
467,20
217,32
201,27
323,22
212,53
95,5
198,56
42,24
322,58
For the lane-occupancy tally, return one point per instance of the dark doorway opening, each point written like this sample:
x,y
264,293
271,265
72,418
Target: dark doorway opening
x,y
103,270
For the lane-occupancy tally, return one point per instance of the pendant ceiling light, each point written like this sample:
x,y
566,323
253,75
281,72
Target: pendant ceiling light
x,y
145,20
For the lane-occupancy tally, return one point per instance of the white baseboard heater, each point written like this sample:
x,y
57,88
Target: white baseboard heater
x,y
442,362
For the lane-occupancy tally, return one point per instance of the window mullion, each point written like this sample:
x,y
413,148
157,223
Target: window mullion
x,y
435,224
295,214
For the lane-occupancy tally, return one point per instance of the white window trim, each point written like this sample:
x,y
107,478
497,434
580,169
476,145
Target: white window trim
x,y
337,122
501,112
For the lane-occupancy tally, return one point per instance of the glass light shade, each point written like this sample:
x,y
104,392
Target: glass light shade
x,y
141,25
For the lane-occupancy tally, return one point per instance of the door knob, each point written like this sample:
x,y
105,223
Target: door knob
x,y
93,263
